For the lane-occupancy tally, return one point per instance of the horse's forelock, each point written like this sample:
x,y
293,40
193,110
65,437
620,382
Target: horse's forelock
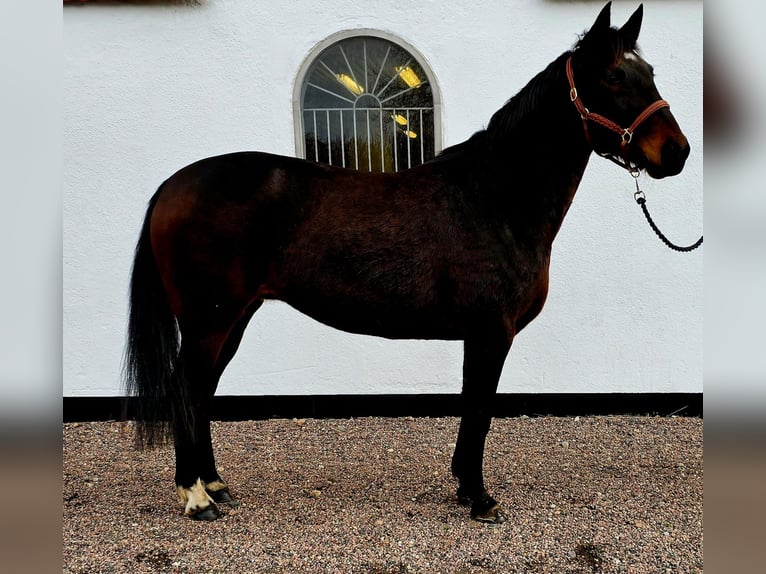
x,y
615,45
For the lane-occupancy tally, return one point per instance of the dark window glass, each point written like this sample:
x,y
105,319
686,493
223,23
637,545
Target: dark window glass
x,y
367,104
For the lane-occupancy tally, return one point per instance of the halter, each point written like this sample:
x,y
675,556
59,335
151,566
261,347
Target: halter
x,y
625,133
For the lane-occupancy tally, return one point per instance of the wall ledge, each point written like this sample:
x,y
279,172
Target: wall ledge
x,y
235,408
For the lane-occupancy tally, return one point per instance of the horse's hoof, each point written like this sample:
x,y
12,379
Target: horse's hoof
x,y
209,513
484,508
492,516
223,496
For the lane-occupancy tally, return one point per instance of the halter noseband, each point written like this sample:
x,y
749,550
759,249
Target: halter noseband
x,y
625,133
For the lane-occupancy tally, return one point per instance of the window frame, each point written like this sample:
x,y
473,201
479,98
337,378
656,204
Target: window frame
x,y
308,61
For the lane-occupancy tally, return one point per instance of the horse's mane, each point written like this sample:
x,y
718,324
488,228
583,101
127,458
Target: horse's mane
x,y
508,118
520,107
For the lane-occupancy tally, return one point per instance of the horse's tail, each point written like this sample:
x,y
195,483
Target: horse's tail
x,y
152,348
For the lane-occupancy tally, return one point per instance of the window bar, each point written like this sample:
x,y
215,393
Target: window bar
x,y
409,152
382,145
350,69
356,142
321,89
391,81
337,80
422,132
316,138
329,139
380,71
397,94
396,151
369,143
342,140
364,50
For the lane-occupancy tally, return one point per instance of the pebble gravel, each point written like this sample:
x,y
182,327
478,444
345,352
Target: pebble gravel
x,y
375,496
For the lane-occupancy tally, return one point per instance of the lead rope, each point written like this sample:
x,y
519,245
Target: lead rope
x,y
641,200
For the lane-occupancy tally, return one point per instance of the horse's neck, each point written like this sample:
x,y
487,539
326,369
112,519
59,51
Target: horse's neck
x,y
539,167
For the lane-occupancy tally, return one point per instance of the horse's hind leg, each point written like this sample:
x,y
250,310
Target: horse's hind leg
x,y
215,486
201,361
482,364
191,429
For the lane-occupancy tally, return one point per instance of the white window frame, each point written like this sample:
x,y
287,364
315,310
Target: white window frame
x,y
300,144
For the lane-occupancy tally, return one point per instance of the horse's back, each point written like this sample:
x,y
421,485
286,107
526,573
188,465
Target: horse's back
x,y
237,178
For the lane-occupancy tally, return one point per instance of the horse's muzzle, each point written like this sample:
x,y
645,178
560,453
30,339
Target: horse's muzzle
x,y
673,157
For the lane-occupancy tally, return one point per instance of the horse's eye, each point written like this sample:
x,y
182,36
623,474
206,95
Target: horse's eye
x,y
615,78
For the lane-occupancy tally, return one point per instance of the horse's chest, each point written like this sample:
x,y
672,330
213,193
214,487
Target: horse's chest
x,y
525,288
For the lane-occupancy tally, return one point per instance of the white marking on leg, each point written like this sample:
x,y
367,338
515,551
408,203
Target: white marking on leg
x,y
195,498
215,486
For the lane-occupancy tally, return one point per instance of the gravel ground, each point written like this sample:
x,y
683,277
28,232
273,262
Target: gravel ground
x,y
375,495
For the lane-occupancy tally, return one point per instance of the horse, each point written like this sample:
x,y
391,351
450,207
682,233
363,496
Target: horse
x,y
457,248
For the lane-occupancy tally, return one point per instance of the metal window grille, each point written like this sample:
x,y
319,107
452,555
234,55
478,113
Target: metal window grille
x,y
367,104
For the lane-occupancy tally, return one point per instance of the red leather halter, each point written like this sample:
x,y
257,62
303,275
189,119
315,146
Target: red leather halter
x,y
625,133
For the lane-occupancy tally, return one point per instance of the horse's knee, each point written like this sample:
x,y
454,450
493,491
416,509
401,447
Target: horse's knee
x,y
197,502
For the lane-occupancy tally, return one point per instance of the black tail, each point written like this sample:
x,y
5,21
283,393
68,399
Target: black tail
x,y
152,347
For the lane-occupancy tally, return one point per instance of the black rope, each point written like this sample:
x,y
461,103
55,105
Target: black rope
x,y
641,200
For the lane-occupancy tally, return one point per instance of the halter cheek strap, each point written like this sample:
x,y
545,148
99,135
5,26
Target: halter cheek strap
x,y
625,133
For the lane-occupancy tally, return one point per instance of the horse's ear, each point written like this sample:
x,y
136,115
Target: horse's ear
x,y
598,32
632,27
603,21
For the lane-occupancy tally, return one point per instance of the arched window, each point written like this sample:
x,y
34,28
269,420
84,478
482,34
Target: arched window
x,y
364,101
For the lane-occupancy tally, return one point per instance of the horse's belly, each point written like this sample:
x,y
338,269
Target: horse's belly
x,y
379,318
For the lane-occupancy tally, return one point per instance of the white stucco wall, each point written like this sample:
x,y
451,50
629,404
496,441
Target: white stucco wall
x,y
148,89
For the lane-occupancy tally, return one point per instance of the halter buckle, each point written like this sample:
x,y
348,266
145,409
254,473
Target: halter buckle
x,y
627,135
572,94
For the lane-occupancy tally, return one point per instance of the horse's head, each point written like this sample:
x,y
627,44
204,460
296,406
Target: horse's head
x,y
615,94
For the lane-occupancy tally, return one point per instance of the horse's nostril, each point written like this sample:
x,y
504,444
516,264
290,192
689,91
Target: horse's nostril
x,y
674,153
685,151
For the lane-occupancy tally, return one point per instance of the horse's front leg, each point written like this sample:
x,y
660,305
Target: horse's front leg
x,y
484,356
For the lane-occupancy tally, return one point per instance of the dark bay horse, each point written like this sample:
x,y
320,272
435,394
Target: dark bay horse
x,y
457,248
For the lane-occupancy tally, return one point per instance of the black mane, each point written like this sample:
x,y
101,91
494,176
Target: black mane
x,y
520,107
